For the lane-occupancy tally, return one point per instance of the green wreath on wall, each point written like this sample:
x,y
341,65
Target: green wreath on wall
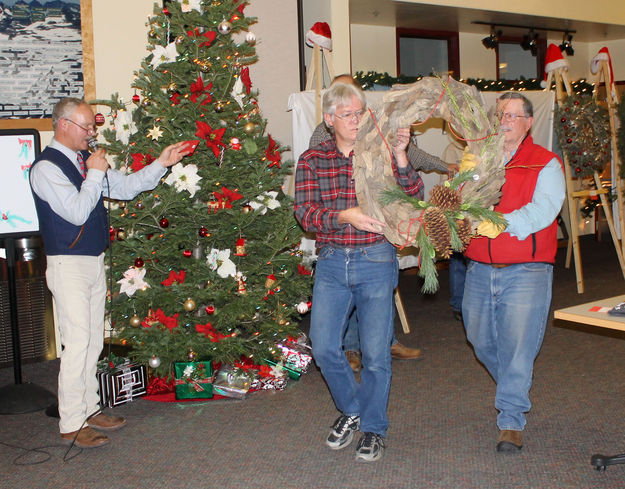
x,y
582,127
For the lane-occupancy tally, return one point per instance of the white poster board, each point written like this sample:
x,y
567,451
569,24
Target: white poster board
x,y
18,150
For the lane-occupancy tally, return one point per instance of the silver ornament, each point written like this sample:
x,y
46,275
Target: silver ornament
x,y
154,362
224,27
250,37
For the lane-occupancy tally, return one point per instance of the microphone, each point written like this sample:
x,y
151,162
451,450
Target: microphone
x,y
93,144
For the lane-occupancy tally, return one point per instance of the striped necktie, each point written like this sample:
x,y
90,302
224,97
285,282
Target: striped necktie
x,y
81,162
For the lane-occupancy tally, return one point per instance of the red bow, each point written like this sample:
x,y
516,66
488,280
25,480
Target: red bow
x,y
272,153
245,78
212,137
174,277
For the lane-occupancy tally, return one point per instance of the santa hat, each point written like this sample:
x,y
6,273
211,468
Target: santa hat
x,y
603,55
553,61
320,35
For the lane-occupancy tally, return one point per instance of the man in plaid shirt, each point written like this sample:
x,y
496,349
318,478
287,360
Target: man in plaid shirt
x,y
356,267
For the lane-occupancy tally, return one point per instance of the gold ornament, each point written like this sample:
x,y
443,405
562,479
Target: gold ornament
x,y
172,87
146,102
179,39
246,208
249,127
189,305
219,107
135,321
191,355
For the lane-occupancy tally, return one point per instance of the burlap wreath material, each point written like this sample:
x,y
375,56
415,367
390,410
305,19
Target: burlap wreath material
x,y
463,107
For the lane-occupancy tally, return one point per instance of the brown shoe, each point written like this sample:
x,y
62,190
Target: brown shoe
x,y
353,357
87,438
510,441
106,423
402,352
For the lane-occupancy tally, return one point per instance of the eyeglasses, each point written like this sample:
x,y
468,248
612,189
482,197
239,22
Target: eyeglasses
x,y
510,116
86,129
351,116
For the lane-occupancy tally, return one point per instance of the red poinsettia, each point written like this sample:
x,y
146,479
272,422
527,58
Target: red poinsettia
x,y
175,98
174,277
241,7
212,137
140,160
198,89
272,153
302,270
245,79
208,35
226,197
158,316
209,331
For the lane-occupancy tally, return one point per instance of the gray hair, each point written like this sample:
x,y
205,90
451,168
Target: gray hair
x,y
528,108
339,95
65,108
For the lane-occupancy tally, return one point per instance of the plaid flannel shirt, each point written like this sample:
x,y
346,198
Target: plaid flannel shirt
x,y
324,186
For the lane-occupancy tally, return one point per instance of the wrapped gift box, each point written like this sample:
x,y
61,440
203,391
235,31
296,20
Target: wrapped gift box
x,y
194,380
293,372
296,355
231,382
121,383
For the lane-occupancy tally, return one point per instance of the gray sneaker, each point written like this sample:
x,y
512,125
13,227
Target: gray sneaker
x,y
370,447
342,432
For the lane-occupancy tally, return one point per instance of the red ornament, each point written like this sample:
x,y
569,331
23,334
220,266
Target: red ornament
x,y
209,309
99,119
563,120
240,248
139,262
578,170
203,232
165,11
136,99
187,253
112,233
164,222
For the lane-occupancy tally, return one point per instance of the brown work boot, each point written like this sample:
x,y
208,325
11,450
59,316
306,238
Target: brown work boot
x,y
106,423
87,438
510,441
402,352
353,357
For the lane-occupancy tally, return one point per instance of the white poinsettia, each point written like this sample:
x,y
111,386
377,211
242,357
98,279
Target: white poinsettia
x,y
266,200
184,177
165,54
124,126
277,370
133,281
188,370
220,260
188,5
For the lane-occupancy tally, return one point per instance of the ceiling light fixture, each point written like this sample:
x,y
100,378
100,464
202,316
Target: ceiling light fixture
x,y
566,45
491,41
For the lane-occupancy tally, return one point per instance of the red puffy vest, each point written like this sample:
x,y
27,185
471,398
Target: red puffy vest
x,y
521,176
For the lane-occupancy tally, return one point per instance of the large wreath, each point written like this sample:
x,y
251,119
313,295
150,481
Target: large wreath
x,y
445,223
583,133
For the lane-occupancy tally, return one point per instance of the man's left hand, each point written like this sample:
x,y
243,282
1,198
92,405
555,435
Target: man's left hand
x,y
173,153
490,229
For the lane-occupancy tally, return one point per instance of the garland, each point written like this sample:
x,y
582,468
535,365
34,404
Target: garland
x,y
372,79
583,133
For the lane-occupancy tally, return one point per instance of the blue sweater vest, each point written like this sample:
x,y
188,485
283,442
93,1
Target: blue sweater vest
x,y
61,237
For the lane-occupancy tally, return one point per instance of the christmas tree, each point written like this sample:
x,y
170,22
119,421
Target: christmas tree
x,y
207,265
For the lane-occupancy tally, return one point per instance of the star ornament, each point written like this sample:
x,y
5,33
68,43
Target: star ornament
x,y
155,133
165,54
132,281
184,177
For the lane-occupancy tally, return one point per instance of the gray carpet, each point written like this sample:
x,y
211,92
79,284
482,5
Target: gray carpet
x,y
442,432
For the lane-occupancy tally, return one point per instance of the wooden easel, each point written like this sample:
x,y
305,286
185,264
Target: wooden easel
x,y
574,191
315,73
612,101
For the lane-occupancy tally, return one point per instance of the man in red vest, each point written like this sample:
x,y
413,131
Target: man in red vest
x,y
509,274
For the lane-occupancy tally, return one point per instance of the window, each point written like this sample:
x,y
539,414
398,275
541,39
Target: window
x,y
513,62
422,52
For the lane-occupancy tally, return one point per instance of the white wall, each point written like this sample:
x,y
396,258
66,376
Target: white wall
x,y
373,49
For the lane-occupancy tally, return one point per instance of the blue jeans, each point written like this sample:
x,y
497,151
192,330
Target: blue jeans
x,y
505,313
351,341
457,271
363,278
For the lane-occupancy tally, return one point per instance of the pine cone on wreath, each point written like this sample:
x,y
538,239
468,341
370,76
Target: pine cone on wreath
x,y
438,230
445,198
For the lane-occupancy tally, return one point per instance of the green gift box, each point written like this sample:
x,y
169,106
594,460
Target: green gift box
x,y
194,380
